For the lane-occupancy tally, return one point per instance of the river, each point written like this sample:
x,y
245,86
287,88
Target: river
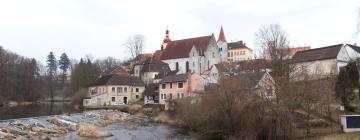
x,y
35,110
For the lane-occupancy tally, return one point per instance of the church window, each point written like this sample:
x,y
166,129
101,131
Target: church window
x,y
187,66
177,66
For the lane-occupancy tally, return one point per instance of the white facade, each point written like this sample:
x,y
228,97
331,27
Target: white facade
x,y
223,49
197,63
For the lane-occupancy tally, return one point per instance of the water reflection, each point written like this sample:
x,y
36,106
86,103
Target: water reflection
x,y
34,110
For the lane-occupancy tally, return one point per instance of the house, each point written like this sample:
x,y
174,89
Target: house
x,y
190,55
238,51
323,62
215,73
151,94
114,89
180,86
260,83
149,69
254,65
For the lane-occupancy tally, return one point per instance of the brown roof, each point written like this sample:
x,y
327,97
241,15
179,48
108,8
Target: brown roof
x,y
157,54
120,70
250,79
174,78
154,65
328,52
224,67
163,74
114,79
252,65
237,45
181,48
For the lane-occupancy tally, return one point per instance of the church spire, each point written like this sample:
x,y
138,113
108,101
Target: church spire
x,y
222,35
167,37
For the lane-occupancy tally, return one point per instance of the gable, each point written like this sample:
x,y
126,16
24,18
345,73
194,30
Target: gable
x,y
329,52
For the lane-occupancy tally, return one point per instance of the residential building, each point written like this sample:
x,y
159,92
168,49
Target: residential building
x,y
215,73
179,86
287,53
238,51
149,69
114,89
323,62
189,55
260,83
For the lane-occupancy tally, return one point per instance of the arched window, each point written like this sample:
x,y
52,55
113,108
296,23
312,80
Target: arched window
x,y
177,66
187,66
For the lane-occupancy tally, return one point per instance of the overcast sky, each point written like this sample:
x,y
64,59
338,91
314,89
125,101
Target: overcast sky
x,y
33,28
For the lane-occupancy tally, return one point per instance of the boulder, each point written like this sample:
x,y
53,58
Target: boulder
x,y
89,130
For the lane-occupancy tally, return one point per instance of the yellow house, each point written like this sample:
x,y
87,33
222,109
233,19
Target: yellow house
x,y
114,89
237,51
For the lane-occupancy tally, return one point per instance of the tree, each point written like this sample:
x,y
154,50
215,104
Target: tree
x,y
64,65
347,81
107,64
51,73
135,45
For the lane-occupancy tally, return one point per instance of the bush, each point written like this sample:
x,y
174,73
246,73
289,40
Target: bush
x,y
79,96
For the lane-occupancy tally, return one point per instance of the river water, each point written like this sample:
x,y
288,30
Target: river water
x,y
35,110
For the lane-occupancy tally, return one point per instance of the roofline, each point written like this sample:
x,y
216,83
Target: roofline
x,y
320,48
192,38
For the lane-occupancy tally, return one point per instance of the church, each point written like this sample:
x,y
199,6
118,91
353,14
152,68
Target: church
x,y
194,55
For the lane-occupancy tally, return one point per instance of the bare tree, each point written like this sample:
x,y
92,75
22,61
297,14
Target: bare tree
x,y
135,45
107,64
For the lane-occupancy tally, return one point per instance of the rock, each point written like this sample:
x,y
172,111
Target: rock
x,y
4,135
89,130
55,121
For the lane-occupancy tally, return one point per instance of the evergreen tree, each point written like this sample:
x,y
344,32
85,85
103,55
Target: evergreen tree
x,y
51,73
64,65
347,81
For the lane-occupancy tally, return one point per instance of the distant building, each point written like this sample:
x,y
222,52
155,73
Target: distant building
x,y
323,62
180,86
114,89
238,51
217,71
287,53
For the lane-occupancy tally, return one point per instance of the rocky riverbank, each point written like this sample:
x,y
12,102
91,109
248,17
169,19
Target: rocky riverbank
x,y
103,124
84,124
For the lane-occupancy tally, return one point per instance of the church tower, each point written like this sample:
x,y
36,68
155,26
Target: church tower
x,y
223,47
166,39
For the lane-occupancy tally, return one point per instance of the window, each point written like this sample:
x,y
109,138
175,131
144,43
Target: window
x,y
180,85
187,66
177,66
228,54
182,95
178,95
163,86
137,96
125,89
113,99
119,89
161,96
170,96
155,75
164,96
170,85
208,64
193,53
213,54
136,89
113,89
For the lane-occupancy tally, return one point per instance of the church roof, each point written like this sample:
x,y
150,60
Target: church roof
x,y
181,48
222,35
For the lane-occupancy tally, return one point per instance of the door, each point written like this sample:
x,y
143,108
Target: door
x,y
125,100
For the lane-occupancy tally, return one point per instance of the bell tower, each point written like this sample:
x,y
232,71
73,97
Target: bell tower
x,y
166,39
223,47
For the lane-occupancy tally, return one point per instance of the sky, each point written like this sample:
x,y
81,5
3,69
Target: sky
x,y
100,27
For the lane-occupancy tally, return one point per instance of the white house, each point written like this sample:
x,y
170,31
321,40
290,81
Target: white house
x,y
149,69
323,62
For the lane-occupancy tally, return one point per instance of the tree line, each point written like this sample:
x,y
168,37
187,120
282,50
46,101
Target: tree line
x,y
20,78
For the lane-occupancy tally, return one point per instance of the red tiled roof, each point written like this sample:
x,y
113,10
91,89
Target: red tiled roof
x,y
120,70
157,54
222,35
181,48
328,52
